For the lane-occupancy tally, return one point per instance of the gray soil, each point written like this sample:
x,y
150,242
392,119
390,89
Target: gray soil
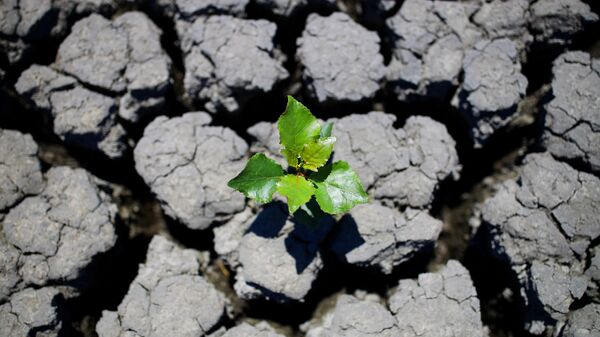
x,y
474,126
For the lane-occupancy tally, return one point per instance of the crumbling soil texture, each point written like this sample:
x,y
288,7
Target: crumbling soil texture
x,y
474,126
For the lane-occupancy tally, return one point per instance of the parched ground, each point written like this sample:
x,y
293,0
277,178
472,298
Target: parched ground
x,y
473,125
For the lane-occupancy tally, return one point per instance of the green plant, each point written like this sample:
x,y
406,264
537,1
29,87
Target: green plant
x,y
307,146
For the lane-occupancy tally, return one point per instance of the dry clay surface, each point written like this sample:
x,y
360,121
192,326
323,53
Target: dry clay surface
x,y
473,125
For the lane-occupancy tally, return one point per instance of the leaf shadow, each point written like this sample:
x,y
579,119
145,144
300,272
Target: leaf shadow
x,y
270,221
302,240
303,252
346,237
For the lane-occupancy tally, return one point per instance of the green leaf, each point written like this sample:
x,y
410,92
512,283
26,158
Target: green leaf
x,y
338,188
297,127
258,180
296,189
316,153
326,130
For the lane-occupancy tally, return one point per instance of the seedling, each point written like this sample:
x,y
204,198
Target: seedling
x,y
306,146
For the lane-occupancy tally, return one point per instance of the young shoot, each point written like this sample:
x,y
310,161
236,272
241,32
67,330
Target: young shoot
x,y
307,146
